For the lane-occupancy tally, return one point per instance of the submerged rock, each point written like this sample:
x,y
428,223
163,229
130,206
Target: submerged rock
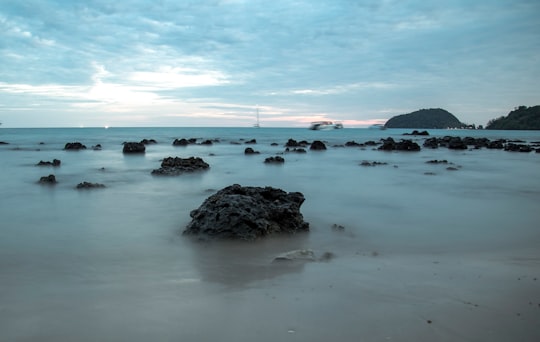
x,y
175,166
55,162
50,179
249,150
296,255
274,160
248,213
88,185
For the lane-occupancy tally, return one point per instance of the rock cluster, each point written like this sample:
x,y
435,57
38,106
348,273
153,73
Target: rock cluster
x,y
458,143
175,166
55,162
294,143
248,213
389,144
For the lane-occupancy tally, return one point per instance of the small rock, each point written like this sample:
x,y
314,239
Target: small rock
x,y
249,150
50,179
274,160
296,255
74,146
55,163
88,185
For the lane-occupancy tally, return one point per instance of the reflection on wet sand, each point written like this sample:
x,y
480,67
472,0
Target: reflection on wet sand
x,y
238,263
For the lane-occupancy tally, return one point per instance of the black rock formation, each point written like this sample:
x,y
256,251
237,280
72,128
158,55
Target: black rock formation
x,y
248,213
176,166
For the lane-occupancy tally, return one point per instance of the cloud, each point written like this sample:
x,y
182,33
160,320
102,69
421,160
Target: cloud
x,y
345,59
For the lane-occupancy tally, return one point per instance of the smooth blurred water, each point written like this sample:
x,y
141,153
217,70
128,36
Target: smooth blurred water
x,y
111,264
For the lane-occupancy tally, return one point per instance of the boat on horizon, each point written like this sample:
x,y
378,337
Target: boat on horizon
x,y
325,125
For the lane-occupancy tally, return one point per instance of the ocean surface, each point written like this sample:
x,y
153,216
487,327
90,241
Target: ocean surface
x,y
425,253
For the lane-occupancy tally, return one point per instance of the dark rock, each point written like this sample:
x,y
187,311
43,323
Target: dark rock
x,y
338,228
352,144
497,144
274,160
390,144
274,144
133,147
455,143
184,142
88,185
296,150
248,213
371,143
517,147
175,166
249,150
75,146
207,142
252,141
415,132
294,143
4,143
317,145
375,163
431,143
97,147
148,141
55,162
452,168
50,179
437,161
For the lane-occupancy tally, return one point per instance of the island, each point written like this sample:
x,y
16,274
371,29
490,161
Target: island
x,y
521,118
425,118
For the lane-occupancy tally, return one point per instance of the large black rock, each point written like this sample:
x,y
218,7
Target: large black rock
x,y
248,213
133,147
176,166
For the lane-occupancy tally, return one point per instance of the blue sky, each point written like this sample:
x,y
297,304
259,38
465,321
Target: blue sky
x,y
213,62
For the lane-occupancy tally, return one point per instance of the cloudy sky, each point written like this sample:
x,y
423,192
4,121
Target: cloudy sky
x,y
214,62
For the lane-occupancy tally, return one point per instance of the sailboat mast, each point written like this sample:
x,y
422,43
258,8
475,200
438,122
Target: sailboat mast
x,y
257,124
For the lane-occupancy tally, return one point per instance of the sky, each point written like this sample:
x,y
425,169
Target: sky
x,y
76,63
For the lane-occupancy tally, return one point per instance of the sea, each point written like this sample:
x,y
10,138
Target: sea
x,y
419,250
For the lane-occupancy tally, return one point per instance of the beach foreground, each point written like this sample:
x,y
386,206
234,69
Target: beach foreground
x,y
419,251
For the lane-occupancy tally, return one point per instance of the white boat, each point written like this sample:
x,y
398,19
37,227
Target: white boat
x,y
323,125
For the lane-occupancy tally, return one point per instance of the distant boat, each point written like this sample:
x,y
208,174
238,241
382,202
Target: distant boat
x,y
325,125
378,126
